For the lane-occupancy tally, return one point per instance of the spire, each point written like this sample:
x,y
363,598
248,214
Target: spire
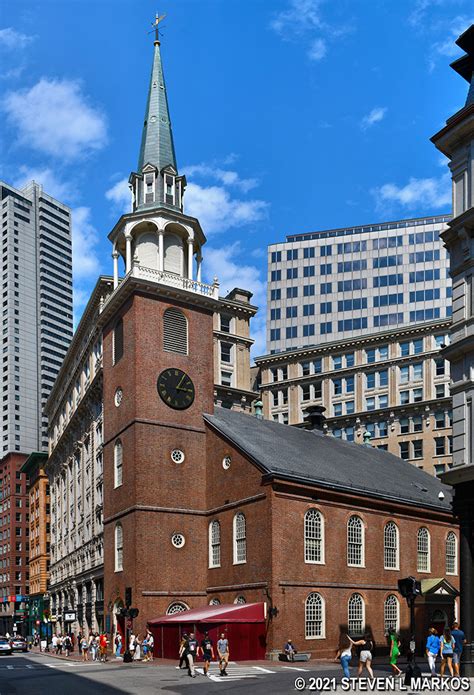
x,y
464,66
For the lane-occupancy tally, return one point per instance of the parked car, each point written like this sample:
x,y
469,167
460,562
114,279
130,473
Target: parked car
x,y
5,646
19,644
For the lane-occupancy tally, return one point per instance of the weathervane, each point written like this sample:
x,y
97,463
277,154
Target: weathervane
x,y
155,25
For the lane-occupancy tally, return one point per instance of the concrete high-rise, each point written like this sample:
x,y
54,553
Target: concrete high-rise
x,y
338,283
36,310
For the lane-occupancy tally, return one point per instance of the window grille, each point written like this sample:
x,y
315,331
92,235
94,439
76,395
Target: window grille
x,y
118,463
356,615
423,560
240,539
313,537
390,613
214,544
175,332
176,608
451,553
118,341
118,548
240,600
390,549
314,616
355,542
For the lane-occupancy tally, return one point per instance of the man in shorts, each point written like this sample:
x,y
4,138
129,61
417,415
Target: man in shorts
x,y
223,653
460,640
207,649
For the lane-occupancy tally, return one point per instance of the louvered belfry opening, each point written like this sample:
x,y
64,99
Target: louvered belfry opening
x,y
175,332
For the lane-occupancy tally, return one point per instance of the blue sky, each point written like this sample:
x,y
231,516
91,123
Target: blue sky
x,y
288,115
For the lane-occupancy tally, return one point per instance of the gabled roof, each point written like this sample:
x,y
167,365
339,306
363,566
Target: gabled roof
x,y
157,145
438,585
223,613
309,456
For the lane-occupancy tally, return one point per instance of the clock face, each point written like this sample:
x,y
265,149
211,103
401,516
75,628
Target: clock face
x,y
176,388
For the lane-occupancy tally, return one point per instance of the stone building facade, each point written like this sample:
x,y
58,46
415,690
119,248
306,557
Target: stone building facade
x,y
392,385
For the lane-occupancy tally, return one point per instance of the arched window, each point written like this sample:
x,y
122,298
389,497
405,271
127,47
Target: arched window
x,y
214,544
355,542
423,547
356,615
175,332
118,548
177,607
240,539
451,548
390,546
174,255
391,613
117,341
214,602
314,623
118,462
313,536
240,600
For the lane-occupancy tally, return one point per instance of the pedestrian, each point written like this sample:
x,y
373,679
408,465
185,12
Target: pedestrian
x,y
84,648
137,651
131,643
207,650
145,648
289,650
191,648
150,645
432,649
54,643
447,651
344,653
394,651
183,660
79,640
60,644
118,645
67,644
93,646
365,655
223,653
460,640
103,641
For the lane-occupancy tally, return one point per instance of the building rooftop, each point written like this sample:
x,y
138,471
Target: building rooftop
x,y
311,457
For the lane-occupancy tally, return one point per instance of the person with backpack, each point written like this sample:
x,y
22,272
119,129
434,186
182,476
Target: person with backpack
x,y
150,641
67,645
207,650
118,645
460,640
448,645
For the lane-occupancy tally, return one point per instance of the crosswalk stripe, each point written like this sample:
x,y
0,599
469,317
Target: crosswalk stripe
x,y
264,670
295,668
30,667
10,667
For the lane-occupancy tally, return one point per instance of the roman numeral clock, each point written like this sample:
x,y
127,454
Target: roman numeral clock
x,y
176,389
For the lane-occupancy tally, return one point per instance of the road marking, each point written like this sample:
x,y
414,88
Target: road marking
x,y
64,663
295,668
30,667
264,670
10,667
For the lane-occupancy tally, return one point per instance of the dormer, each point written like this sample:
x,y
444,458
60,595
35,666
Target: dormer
x,y
173,187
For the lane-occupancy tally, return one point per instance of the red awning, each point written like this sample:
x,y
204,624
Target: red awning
x,y
224,613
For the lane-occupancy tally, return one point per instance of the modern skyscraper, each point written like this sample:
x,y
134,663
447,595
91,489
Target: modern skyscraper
x,y
336,284
36,310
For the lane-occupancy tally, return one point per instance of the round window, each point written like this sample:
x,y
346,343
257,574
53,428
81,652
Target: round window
x,y
178,540
226,461
118,397
177,456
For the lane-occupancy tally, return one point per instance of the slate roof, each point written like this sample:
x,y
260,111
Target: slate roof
x,y
313,457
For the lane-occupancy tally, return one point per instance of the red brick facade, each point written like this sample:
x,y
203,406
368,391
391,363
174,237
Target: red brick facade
x,y
159,498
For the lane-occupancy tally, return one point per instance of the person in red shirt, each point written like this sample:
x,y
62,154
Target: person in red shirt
x,y
103,647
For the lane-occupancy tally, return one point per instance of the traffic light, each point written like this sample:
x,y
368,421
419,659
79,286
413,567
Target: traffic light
x,y
133,612
409,587
128,596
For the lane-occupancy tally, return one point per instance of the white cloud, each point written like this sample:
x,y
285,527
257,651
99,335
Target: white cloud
x,y
60,189
120,195
428,193
375,116
12,39
218,211
300,17
225,176
85,239
55,118
226,264
447,46
317,50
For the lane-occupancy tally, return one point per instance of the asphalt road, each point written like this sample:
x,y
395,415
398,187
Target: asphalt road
x,y
39,674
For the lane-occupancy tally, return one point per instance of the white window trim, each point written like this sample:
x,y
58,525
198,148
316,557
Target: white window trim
x,y
397,548
323,548
455,573
323,618
397,626
118,566
362,552
234,538
211,564
363,610
116,484
427,571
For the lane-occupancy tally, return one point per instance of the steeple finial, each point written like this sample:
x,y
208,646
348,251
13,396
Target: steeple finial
x,y
155,25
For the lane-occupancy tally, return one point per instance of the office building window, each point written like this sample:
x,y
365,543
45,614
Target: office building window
x,y
308,271
308,290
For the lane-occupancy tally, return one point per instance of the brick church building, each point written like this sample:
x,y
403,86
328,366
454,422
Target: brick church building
x,y
205,506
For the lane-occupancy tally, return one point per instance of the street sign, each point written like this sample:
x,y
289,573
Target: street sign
x,y
69,616
129,624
